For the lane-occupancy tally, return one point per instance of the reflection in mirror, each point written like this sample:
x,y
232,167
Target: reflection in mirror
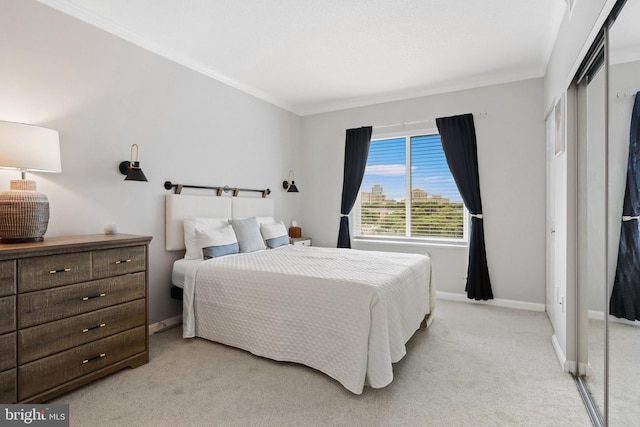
x,y
592,98
624,335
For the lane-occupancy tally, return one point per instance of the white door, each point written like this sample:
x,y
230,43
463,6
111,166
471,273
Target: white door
x,y
557,226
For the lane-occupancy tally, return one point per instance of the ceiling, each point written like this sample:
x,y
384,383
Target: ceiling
x,y
312,56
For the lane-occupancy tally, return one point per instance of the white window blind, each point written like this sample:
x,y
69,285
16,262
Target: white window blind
x,y
408,191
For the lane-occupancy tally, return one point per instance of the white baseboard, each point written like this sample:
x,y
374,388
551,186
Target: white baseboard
x,y
521,305
599,315
566,365
165,324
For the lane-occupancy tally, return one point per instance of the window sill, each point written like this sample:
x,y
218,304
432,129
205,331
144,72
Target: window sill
x,y
411,242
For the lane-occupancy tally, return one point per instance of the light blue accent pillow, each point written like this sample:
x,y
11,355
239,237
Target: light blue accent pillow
x,y
275,235
248,234
217,243
218,251
277,241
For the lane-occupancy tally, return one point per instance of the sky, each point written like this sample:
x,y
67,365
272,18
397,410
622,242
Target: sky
x,y
386,166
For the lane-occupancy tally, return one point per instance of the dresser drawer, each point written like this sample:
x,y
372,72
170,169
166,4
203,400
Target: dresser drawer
x,y
54,370
112,262
7,351
8,386
54,270
7,314
44,306
7,278
44,340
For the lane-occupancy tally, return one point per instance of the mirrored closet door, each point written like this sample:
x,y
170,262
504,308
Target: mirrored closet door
x,y
608,243
624,229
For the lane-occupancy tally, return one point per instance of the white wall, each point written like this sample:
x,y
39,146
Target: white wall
x,y
511,156
103,94
595,154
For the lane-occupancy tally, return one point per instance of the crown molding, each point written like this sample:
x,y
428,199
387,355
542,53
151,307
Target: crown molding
x,y
445,87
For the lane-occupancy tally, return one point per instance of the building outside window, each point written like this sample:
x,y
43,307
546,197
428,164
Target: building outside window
x,y
408,192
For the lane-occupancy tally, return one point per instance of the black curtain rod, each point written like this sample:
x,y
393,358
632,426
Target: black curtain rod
x,y
168,185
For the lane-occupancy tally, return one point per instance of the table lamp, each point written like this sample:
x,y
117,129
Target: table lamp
x,y
24,213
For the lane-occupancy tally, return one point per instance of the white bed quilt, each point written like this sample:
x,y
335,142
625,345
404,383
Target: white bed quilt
x,y
349,316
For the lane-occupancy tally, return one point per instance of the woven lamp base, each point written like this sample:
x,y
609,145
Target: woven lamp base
x,y
24,213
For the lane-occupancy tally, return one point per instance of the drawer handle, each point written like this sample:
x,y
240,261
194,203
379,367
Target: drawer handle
x,y
93,296
123,261
98,357
59,270
91,328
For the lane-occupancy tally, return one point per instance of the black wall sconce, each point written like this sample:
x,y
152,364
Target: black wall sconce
x,y
131,168
290,185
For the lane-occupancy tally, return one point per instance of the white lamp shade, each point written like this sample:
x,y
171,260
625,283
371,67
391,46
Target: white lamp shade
x,y
29,148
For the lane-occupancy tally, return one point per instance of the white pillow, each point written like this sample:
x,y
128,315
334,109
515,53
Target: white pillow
x,y
248,234
274,235
190,243
217,243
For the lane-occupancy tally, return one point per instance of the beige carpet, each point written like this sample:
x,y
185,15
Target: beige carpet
x,y
476,366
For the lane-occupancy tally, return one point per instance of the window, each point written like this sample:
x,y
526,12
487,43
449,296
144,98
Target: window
x,y
408,192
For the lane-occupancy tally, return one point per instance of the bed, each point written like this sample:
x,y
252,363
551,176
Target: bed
x,y
346,313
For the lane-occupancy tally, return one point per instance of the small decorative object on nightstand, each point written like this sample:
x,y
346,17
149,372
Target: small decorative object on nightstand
x,y
294,230
300,241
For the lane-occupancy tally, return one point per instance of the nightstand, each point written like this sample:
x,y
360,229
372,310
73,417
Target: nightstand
x,y
300,241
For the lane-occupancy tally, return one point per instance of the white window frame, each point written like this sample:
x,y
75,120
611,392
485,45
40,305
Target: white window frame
x,y
355,215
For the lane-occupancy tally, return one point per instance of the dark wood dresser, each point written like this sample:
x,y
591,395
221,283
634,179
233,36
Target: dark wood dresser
x,y
72,310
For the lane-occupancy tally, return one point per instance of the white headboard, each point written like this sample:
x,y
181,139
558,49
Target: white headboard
x,y
179,207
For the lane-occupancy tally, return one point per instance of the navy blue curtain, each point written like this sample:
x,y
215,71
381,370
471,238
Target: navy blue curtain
x,y
356,152
458,136
625,295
